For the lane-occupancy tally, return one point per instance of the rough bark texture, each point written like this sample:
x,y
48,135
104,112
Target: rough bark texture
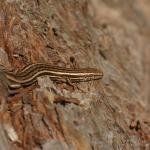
x,y
109,35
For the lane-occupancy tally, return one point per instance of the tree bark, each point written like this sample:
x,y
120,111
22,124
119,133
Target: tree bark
x,y
112,36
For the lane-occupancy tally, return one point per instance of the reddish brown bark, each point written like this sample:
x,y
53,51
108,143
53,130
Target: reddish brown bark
x,y
108,114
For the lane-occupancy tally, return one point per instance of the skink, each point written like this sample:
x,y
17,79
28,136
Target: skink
x,y
28,75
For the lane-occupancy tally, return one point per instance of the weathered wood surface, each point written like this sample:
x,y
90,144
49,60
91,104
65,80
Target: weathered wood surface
x,y
108,35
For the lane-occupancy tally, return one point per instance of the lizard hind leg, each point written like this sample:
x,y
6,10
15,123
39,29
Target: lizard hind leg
x,y
12,93
70,83
75,86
